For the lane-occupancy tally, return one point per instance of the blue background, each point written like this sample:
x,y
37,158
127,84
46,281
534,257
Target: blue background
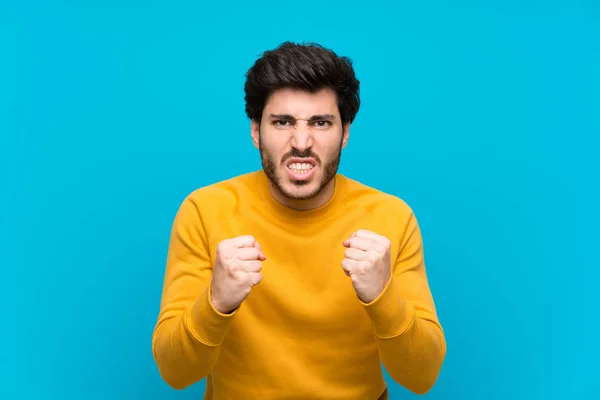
x,y
483,115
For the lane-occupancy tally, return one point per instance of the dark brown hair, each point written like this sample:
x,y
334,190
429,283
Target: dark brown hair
x,y
309,67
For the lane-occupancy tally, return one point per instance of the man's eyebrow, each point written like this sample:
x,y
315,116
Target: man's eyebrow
x,y
322,117
282,116
318,117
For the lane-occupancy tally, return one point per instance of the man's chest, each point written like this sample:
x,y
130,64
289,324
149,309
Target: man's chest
x,y
304,287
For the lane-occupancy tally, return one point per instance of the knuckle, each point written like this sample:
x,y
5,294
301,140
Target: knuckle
x,y
233,266
249,238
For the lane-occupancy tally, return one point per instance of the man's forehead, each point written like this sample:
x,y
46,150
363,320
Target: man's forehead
x,y
301,104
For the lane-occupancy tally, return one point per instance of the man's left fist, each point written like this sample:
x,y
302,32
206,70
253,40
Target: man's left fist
x,y
367,263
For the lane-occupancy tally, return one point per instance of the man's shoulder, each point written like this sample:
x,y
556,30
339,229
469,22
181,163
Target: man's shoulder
x,y
374,199
229,185
227,193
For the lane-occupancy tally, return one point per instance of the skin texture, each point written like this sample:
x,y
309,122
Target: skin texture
x,y
236,270
278,139
367,262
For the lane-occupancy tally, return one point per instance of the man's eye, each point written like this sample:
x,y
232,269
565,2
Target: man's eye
x,y
322,124
281,123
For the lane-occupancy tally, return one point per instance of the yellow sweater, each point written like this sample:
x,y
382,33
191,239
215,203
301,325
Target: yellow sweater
x,y
302,333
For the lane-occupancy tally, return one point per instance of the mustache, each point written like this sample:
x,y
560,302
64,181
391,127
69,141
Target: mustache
x,y
308,153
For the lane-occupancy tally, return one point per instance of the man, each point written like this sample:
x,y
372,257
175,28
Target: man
x,y
296,282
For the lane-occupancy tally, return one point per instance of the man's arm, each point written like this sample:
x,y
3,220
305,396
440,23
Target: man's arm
x,y
410,338
189,331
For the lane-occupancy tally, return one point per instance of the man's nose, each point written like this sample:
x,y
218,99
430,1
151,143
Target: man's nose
x,y
302,138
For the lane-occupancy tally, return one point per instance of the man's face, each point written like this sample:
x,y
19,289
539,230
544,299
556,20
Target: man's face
x,y
300,139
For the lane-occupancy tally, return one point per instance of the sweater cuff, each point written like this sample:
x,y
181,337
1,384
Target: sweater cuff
x,y
390,314
205,323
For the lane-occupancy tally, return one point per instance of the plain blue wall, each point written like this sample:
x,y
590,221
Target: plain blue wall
x,y
483,115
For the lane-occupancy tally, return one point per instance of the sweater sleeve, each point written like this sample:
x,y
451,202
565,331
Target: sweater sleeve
x,y
189,332
409,336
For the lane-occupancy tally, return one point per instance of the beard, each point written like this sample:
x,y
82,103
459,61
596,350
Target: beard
x,y
330,169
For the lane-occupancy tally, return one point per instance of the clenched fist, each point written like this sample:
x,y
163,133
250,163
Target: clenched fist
x,y
236,270
367,263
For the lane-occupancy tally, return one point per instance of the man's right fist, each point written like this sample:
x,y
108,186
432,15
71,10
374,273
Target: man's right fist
x,y
236,270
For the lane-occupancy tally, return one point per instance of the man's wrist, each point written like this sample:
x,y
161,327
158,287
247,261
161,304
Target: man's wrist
x,y
217,305
389,312
205,323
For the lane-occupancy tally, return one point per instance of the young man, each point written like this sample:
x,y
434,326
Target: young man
x,y
296,282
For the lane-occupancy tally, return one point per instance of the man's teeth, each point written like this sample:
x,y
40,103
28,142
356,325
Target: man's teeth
x,y
300,168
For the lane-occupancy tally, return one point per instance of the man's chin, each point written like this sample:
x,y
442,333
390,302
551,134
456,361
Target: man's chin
x,y
300,190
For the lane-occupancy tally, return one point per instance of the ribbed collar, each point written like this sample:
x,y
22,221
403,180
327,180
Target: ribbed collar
x,y
334,204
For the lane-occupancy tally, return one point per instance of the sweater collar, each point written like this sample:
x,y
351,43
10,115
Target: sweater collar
x,y
297,216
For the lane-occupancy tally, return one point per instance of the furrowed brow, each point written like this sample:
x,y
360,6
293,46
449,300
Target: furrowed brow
x,y
322,117
286,117
318,117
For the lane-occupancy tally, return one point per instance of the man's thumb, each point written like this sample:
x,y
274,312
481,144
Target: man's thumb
x,y
262,255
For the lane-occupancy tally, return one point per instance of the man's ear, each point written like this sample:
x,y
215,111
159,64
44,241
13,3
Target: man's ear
x,y
345,134
255,132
